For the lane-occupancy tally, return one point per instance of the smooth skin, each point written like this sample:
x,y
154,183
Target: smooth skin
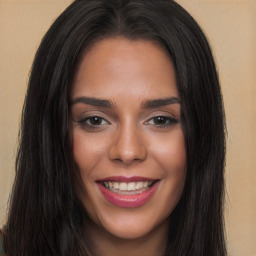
x,y
129,133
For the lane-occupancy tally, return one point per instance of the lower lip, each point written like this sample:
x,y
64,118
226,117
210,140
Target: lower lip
x,y
128,201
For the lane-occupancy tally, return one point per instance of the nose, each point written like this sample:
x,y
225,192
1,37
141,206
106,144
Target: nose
x,y
128,145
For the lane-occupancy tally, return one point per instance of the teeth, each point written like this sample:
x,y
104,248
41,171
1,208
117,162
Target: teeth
x,y
116,185
129,186
139,185
123,186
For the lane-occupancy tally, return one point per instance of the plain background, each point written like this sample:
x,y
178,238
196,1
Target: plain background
x,y
230,26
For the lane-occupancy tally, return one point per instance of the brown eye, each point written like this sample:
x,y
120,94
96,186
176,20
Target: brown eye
x,y
93,121
162,121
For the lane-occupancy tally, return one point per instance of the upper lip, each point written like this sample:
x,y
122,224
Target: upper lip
x,y
126,179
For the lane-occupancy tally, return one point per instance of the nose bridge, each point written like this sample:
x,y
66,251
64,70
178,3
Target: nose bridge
x,y
128,144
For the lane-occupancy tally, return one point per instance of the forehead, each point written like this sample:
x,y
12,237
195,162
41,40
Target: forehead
x,y
118,65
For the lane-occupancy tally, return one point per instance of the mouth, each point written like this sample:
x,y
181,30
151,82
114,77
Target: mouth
x,y
128,192
127,188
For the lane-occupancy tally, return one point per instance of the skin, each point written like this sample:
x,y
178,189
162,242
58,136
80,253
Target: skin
x,y
127,140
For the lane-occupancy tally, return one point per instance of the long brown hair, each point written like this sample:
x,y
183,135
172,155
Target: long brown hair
x,y
44,216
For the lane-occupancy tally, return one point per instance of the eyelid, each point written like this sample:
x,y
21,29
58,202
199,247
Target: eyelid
x,y
85,118
91,113
170,121
163,113
163,116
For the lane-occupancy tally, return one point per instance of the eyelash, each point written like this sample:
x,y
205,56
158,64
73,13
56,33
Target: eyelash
x,y
168,121
84,124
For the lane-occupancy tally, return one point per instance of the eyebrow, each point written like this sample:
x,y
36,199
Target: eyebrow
x,y
109,104
160,102
93,101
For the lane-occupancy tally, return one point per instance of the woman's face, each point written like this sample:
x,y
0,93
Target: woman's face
x,y
127,138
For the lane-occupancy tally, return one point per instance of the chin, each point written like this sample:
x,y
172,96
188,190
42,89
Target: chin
x,y
132,224
129,233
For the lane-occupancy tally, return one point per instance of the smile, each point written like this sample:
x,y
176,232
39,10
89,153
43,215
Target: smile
x,y
128,194
127,188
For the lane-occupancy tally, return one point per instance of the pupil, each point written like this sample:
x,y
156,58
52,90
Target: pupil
x,y
160,120
95,120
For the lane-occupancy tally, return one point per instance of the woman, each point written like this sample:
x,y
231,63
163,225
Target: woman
x,y
122,142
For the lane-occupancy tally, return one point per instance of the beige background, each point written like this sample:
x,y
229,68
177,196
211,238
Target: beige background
x,y
231,27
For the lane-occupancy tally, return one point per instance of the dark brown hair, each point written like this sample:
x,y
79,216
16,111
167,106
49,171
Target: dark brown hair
x,y
44,216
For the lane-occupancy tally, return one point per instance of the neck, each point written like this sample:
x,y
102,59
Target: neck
x,y
104,243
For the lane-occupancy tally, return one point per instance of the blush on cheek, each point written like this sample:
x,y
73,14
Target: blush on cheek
x,y
169,152
87,150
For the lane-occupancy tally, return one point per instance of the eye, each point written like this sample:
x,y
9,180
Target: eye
x,y
162,121
93,122
96,121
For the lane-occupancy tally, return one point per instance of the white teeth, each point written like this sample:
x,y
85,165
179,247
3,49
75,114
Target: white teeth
x,y
116,185
139,185
127,186
123,186
131,186
145,184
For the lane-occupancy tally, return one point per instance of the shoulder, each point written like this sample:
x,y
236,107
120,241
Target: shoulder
x,y
2,252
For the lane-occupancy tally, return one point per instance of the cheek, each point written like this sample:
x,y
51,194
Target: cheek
x,y
170,153
170,156
88,149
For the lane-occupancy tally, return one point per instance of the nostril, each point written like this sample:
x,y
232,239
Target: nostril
x,y
127,159
127,156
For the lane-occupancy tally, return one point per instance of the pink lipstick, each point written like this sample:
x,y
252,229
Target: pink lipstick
x,y
128,192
